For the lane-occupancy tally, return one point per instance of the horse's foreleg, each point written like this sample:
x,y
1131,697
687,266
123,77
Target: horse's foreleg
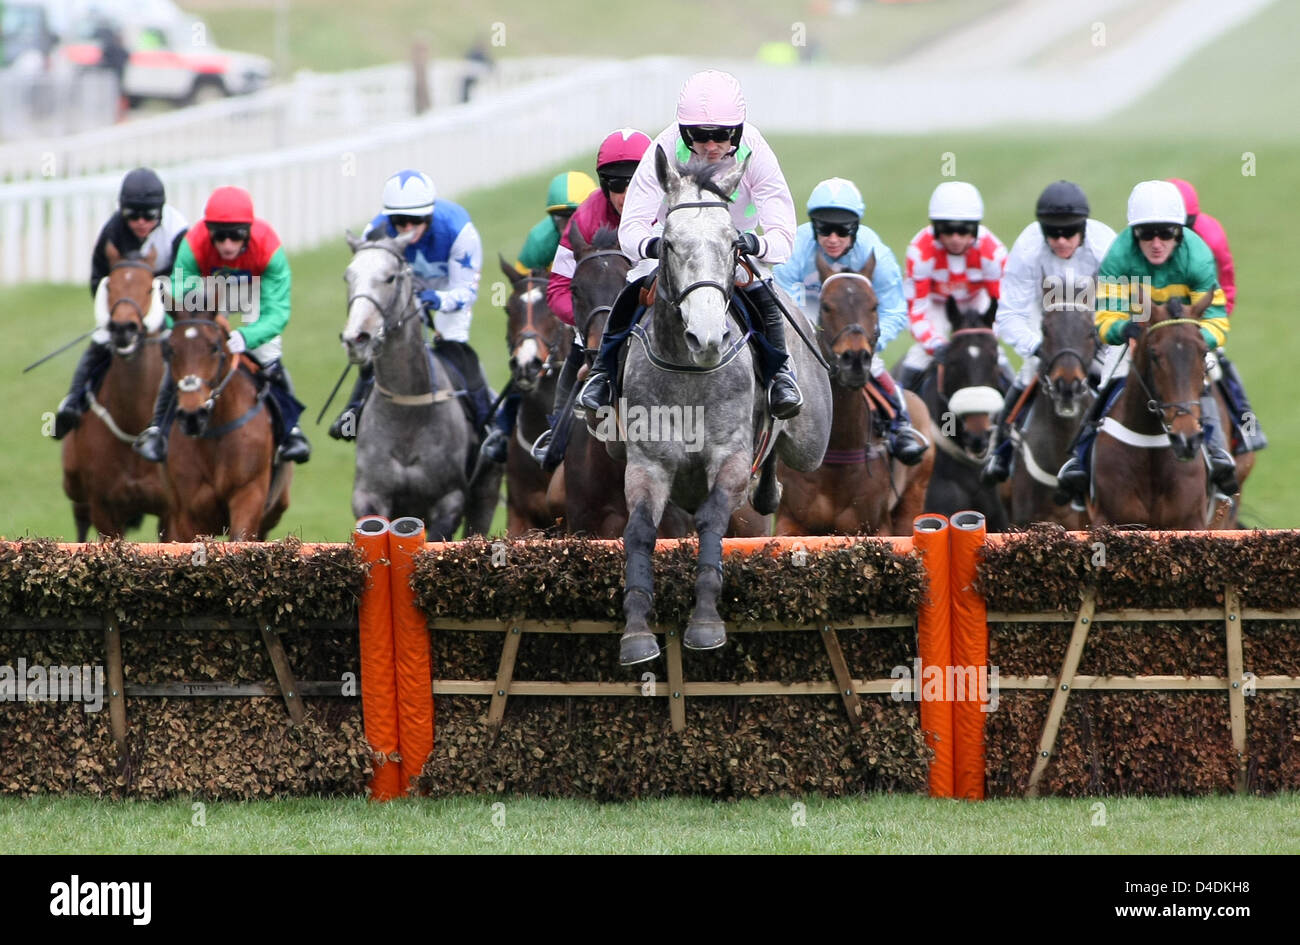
x,y
705,630
646,497
246,507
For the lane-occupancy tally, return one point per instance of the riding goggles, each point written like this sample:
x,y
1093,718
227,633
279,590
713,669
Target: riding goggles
x,y
223,232
719,133
401,221
834,229
1061,232
1151,231
142,213
615,185
955,228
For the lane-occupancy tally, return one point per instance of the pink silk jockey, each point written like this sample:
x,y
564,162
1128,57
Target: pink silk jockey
x,y
1211,230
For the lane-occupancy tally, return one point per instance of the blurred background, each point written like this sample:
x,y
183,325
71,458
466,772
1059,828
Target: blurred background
x,y
310,104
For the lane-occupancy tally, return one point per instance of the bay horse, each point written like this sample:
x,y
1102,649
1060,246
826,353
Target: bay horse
x,y
538,343
963,391
692,360
110,486
1148,465
858,487
416,448
1060,401
219,456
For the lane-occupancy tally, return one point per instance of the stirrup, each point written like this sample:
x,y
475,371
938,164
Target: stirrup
x,y
589,399
336,428
151,444
68,415
538,449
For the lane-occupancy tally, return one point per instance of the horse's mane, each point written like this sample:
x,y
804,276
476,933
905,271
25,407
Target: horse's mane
x,y
605,238
704,174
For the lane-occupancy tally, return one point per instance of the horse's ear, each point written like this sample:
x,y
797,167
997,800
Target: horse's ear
x,y
403,240
870,267
990,313
953,312
511,273
112,254
151,257
354,242
1198,309
729,181
824,271
666,170
580,246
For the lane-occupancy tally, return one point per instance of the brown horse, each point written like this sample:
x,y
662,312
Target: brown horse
x,y
110,486
538,342
1060,400
857,488
1148,464
219,474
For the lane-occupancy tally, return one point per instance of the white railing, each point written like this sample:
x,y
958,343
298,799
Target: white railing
x,y
311,193
314,107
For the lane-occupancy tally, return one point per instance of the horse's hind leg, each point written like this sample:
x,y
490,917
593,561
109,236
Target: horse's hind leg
x,y
646,497
705,630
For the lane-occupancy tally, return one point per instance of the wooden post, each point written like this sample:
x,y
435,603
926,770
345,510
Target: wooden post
x,y
116,686
505,673
840,667
676,691
420,65
1236,680
1073,652
284,674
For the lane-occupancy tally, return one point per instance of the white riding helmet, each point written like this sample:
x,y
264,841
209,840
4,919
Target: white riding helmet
x,y
410,194
1156,201
956,200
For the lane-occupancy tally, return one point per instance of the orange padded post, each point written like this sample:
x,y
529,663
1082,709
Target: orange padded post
x,y
934,640
378,685
970,655
414,660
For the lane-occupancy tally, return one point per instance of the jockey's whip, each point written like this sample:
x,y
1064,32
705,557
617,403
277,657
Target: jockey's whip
x,y
57,351
751,264
334,392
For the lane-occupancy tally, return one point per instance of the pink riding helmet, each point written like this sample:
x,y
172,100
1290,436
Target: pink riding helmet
x,y
626,144
711,98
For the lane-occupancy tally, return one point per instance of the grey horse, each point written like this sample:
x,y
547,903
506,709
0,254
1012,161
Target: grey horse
x,y
691,404
415,446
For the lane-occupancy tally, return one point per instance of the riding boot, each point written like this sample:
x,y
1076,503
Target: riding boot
x,y
1244,417
90,370
152,443
906,443
548,449
1223,471
1072,479
909,378
599,390
345,425
465,359
295,448
783,395
998,467
496,445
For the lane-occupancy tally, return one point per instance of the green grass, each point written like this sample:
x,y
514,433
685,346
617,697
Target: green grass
x,y
326,36
872,824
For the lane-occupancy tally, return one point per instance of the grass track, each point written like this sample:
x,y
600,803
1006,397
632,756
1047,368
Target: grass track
x,y
871,824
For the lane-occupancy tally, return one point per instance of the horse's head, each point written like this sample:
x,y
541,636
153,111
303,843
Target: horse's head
x,y
968,377
599,274
533,333
381,294
1170,364
697,256
849,322
129,303
201,367
1069,345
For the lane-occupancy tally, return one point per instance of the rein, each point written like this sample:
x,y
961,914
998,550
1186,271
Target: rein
x,y
191,383
1159,407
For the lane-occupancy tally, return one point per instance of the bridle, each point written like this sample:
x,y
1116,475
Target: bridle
x,y
676,299
403,274
127,300
192,382
529,331
854,328
596,310
1159,407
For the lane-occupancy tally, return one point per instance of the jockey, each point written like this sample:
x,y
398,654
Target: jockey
x,y
836,234
231,241
446,257
565,193
1155,246
616,162
710,125
1251,437
1056,255
143,223
955,256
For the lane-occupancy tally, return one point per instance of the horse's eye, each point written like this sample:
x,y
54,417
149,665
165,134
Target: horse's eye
x,y
389,280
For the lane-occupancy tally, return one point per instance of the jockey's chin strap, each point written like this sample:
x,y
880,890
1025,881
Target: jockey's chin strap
x,y
1160,407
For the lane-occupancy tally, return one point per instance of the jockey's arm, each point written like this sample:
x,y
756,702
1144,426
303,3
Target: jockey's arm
x,y
640,207
1202,277
771,196
185,277
916,290
559,294
464,267
1021,299
887,282
99,261
272,302
790,274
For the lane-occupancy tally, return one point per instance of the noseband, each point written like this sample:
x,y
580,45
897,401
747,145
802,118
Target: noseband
x,y
404,274
191,382
676,299
1159,407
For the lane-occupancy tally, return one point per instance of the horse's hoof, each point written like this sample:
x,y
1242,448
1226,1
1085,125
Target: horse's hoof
x,y
637,648
704,635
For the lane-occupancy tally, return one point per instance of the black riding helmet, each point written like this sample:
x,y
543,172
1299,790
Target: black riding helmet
x,y
1062,203
142,189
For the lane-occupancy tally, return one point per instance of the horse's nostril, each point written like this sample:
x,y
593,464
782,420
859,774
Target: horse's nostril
x,y
693,340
